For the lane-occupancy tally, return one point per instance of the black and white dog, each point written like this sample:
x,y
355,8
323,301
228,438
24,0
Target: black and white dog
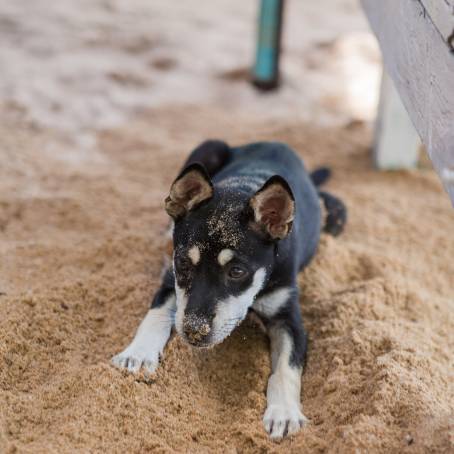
x,y
246,220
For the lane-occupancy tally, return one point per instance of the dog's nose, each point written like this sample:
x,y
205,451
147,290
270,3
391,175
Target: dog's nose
x,y
196,328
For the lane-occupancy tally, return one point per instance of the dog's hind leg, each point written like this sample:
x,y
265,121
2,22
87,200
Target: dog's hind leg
x,y
153,333
283,415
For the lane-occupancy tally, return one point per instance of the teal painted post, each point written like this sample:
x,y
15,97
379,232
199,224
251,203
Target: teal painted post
x,y
265,74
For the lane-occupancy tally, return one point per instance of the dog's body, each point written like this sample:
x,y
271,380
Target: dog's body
x,y
246,220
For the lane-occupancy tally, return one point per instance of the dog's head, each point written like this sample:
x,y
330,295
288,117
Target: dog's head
x,y
224,242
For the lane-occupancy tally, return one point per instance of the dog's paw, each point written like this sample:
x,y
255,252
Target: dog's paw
x,y
283,420
134,358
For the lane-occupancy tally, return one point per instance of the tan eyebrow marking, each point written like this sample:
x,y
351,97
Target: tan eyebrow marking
x,y
225,256
194,255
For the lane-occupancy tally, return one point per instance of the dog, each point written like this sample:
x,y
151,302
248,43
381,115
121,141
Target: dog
x,y
246,220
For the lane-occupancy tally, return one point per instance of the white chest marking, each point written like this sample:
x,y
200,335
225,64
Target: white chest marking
x,y
225,256
270,304
194,255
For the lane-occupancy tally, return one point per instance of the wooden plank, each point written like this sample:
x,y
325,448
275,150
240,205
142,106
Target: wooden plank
x,y
422,68
396,141
441,13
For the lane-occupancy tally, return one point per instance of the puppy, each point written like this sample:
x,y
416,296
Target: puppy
x,y
246,220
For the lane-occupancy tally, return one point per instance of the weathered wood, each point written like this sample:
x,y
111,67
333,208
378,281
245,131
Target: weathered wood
x,y
441,13
422,68
396,141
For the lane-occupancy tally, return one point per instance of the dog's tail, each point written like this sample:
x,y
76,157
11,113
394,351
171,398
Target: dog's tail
x,y
336,217
320,176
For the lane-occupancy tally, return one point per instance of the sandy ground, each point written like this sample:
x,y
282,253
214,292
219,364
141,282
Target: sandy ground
x,y
85,163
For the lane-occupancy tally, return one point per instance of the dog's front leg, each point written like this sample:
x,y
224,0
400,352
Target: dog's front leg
x,y
152,334
283,415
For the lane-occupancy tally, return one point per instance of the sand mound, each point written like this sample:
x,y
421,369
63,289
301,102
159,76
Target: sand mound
x,y
81,245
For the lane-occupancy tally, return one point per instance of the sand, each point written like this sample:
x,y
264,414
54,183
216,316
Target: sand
x,y
87,153
82,252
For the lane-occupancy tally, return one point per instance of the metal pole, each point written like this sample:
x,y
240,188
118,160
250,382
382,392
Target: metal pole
x,y
265,74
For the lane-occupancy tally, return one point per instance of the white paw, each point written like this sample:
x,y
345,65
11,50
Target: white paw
x,y
283,420
134,358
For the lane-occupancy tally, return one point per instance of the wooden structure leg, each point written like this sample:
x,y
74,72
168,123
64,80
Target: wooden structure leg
x,y
397,143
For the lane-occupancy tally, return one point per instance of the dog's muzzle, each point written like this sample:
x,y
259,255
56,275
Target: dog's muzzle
x,y
196,329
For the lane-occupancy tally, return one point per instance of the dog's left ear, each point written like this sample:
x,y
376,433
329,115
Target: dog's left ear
x,y
191,187
273,206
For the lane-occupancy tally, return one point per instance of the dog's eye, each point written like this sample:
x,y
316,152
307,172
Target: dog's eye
x,y
236,272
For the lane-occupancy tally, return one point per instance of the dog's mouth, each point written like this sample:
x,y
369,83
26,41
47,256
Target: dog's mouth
x,y
199,344
205,332
210,341
202,343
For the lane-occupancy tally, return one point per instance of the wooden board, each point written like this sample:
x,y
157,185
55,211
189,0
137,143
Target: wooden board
x,y
422,68
441,12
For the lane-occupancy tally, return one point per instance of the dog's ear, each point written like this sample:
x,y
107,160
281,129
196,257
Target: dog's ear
x,y
191,187
273,207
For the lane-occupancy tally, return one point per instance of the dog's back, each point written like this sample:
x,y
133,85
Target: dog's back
x,y
246,168
251,165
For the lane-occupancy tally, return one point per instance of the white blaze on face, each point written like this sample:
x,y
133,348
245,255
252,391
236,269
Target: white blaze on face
x,y
181,302
225,256
194,255
230,312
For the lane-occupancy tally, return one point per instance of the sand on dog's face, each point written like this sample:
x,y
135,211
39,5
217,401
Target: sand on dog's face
x,y
81,250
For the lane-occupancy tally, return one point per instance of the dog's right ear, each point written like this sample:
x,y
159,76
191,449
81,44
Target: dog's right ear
x,y
191,187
